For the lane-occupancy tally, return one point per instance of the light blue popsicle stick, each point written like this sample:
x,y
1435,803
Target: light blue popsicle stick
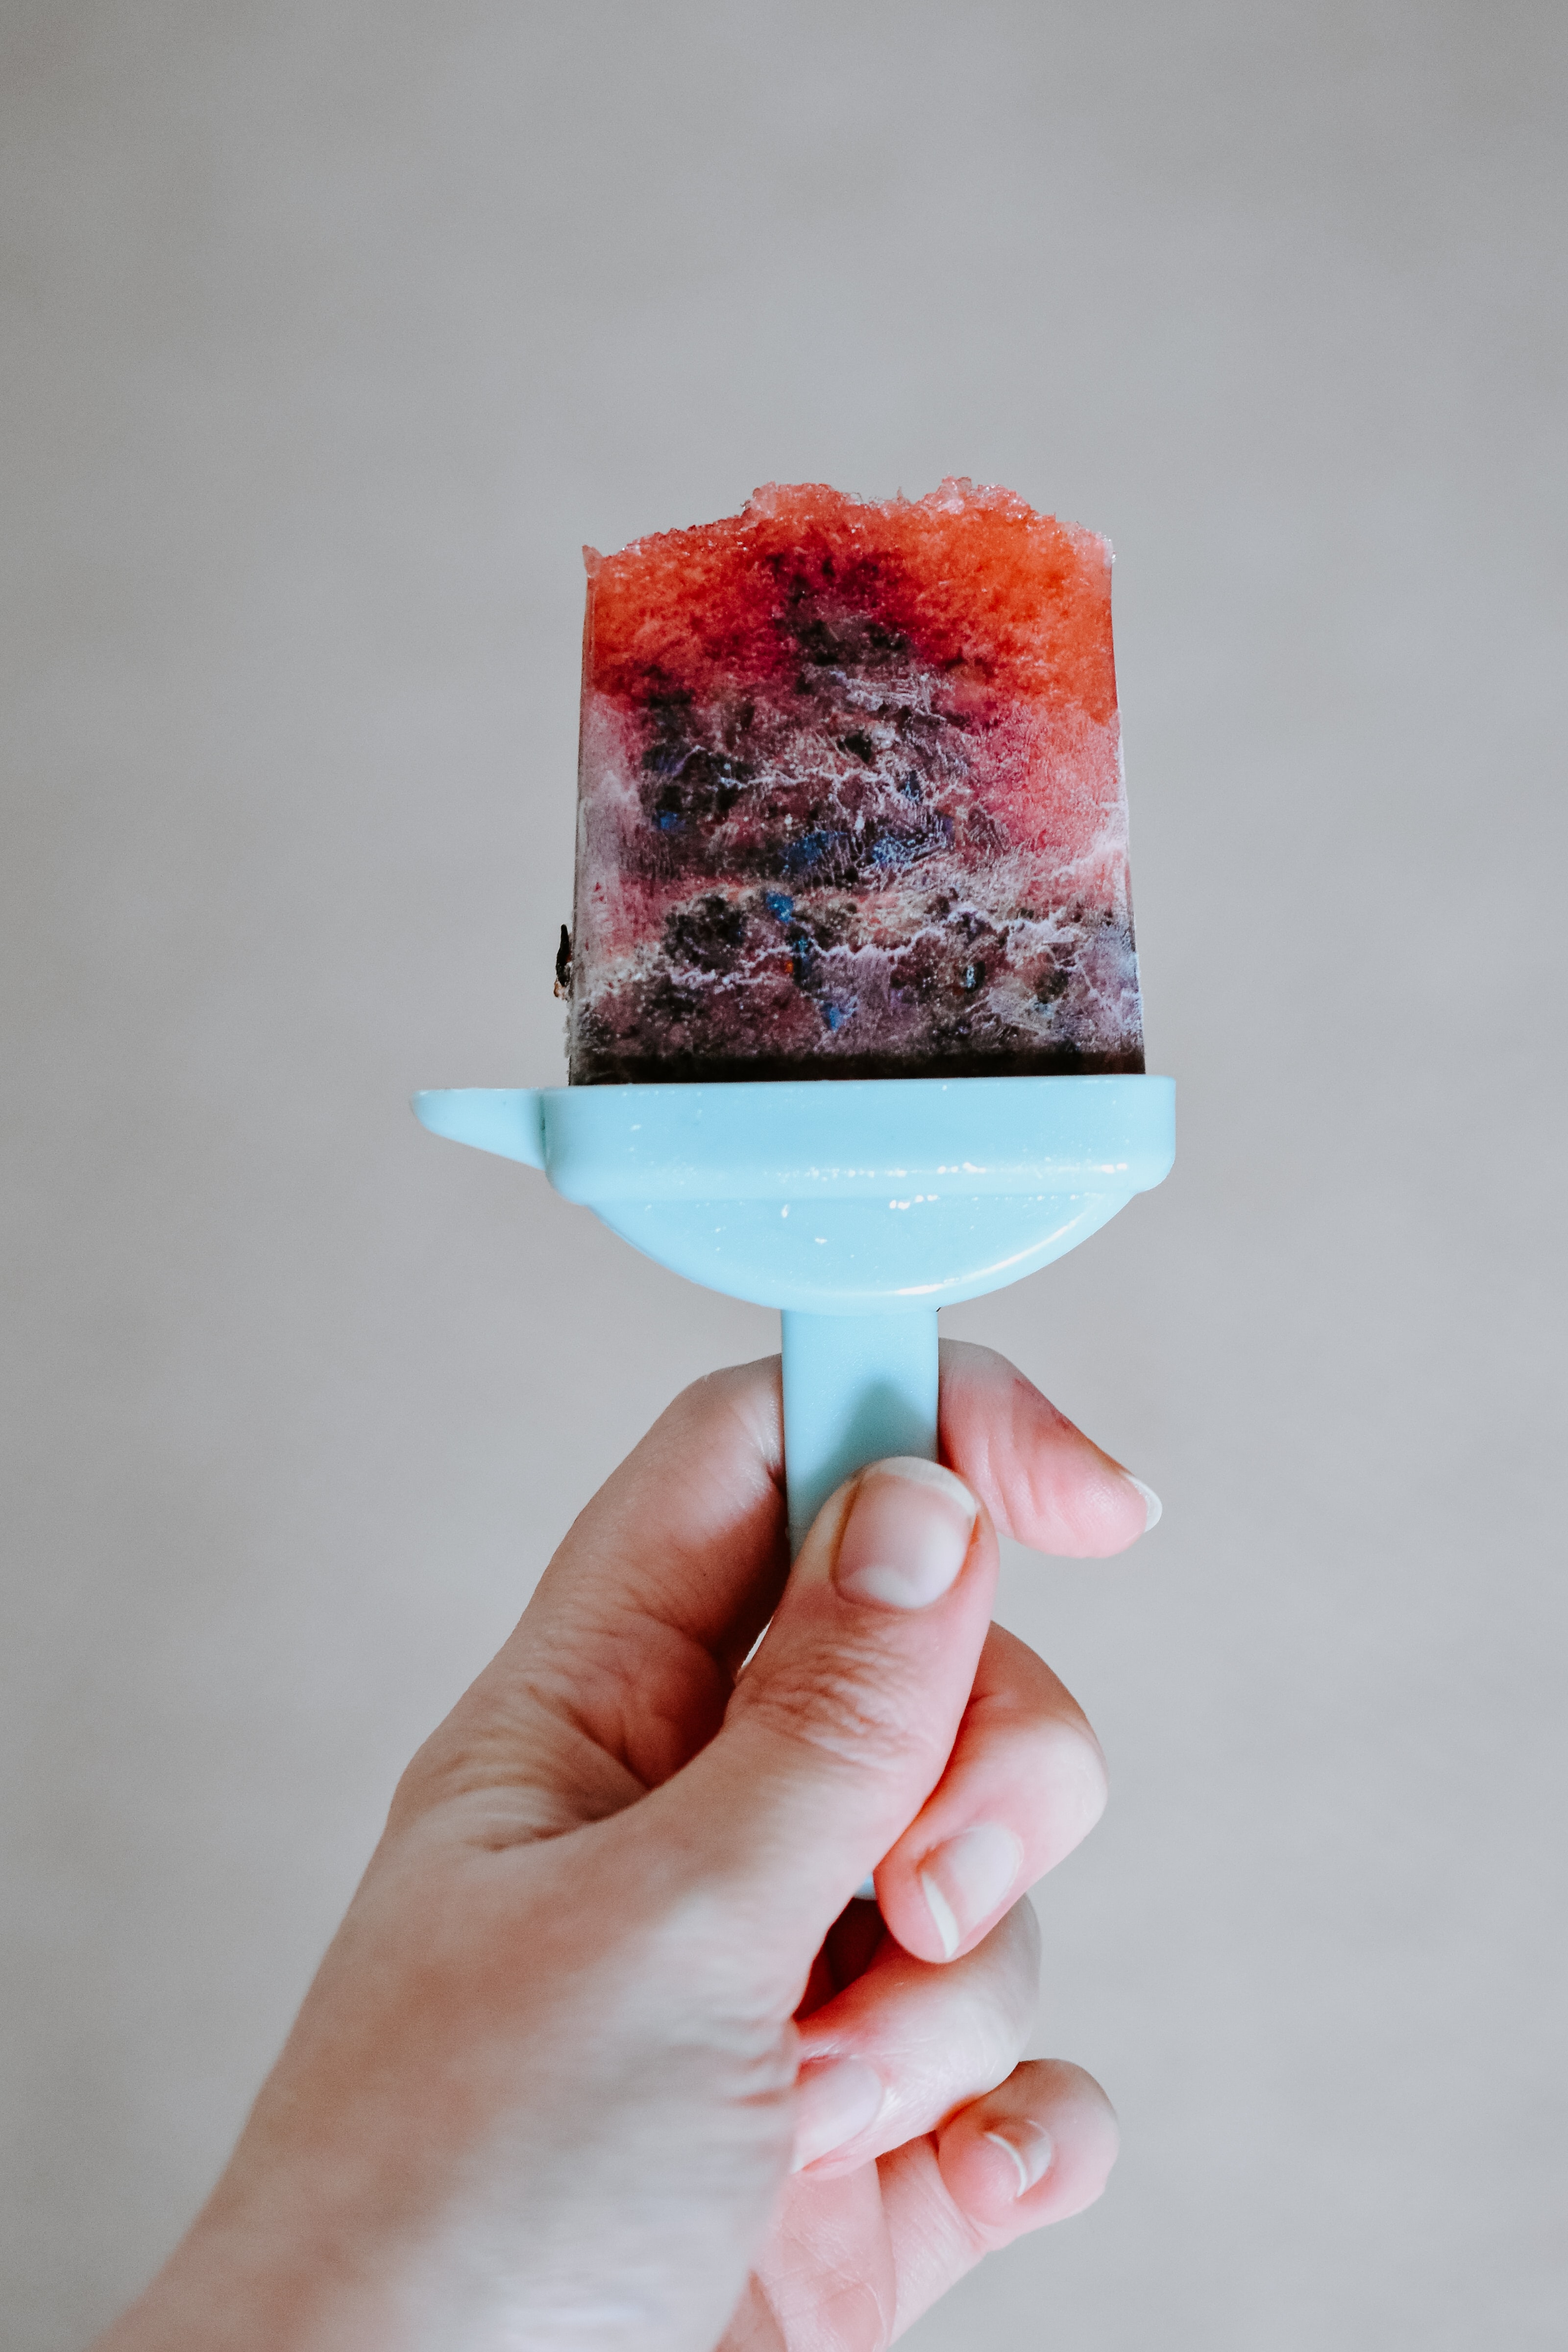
x,y
856,1388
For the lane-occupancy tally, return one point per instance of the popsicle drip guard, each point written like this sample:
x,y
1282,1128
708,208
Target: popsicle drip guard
x,y
857,1207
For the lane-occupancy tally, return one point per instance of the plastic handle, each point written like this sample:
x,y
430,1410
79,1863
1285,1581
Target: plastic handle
x,y
856,1388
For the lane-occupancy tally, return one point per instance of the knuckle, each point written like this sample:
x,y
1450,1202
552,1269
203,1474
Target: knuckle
x,y
849,1706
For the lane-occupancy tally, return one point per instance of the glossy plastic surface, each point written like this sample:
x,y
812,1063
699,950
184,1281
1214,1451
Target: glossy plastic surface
x,y
837,1197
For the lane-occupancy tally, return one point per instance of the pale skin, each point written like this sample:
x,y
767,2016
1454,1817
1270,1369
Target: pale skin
x,y
605,2053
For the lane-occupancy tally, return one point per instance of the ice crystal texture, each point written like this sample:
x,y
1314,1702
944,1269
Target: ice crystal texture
x,y
850,800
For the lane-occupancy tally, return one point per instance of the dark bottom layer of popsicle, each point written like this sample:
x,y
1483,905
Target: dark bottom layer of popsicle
x,y
612,1069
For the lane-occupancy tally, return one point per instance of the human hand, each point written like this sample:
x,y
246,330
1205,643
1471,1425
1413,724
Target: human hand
x,y
605,2053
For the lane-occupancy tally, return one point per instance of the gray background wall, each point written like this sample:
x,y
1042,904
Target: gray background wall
x,y
334,330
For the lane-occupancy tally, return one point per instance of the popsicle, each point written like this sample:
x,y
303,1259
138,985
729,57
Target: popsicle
x,y
851,798
850,807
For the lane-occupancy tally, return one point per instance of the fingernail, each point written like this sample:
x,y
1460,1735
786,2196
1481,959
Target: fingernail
x,y
967,1879
907,1534
834,2099
1153,1506
1029,2145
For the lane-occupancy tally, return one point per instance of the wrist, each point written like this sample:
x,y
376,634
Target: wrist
x,y
288,2274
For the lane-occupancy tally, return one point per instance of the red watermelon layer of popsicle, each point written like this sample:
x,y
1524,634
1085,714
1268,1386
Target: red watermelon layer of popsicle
x,y
850,800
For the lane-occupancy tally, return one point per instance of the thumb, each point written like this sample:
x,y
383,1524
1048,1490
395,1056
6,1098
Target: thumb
x,y
843,1722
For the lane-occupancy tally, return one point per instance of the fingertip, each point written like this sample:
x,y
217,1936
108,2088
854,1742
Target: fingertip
x,y
1044,1482
1104,1509
908,1533
1153,1509
1037,2151
1029,2151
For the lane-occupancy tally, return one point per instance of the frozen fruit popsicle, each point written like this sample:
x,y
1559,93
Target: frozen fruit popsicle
x,y
851,798
850,806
